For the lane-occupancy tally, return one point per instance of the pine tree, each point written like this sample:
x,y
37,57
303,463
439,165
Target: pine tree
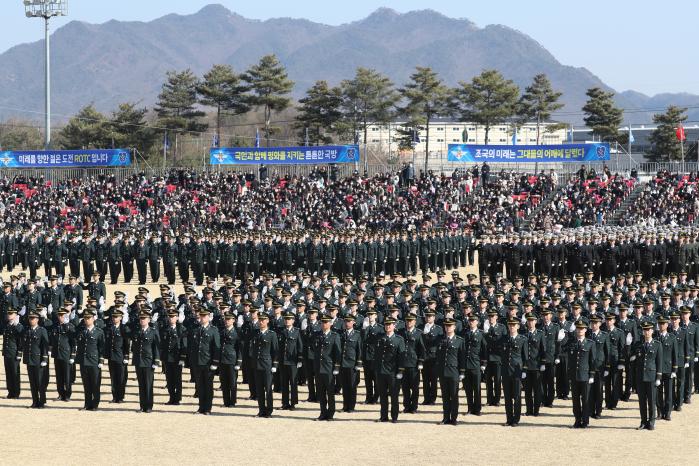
x,y
223,89
319,112
602,115
663,139
129,129
88,129
538,102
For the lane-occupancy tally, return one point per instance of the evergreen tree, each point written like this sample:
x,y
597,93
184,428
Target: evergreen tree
x,y
223,89
489,99
88,129
319,112
602,115
538,102
663,139
270,85
129,129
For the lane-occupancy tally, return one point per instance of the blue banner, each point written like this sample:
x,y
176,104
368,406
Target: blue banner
x,y
65,158
284,155
470,153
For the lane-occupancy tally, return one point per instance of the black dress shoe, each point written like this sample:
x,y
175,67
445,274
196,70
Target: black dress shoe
x,y
442,422
454,422
514,424
650,427
148,411
319,418
139,410
394,421
643,426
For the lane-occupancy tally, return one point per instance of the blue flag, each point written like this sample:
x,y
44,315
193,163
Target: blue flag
x,y
631,138
257,137
416,137
165,141
570,134
514,136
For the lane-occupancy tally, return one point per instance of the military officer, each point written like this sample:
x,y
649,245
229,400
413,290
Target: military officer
x,y
290,360
265,352
62,347
173,353
146,359
648,351
514,351
12,352
601,366
390,354
90,356
327,359
371,333
431,338
616,362
494,332
117,344
351,363
35,348
580,354
450,366
204,352
668,369
476,360
536,352
231,359
413,363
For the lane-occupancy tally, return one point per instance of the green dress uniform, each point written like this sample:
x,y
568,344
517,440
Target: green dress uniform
x,y
370,338
90,355
451,364
683,362
390,352
205,349
649,358
62,348
12,355
327,356
601,368
476,358
493,369
692,348
581,362
290,357
548,360
265,352
515,354
173,354
414,358
668,368
536,352
231,359
35,344
616,358
431,337
117,345
349,367
146,358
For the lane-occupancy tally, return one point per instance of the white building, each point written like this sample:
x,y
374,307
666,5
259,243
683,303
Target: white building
x,y
386,138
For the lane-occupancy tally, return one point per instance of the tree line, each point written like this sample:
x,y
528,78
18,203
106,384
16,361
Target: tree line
x,y
343,113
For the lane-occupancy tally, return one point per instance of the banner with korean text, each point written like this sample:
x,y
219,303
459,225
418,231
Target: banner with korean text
x,y
65,158
284,155
582,153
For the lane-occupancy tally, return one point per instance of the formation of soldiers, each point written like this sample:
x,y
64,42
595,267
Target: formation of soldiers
x,y
596,340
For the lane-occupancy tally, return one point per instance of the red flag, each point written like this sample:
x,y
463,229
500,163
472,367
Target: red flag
x,y
680,133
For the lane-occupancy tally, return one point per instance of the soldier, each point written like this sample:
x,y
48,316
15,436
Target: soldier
x,y
494,332
390,354
117,344
580,353
692,351
649,352
173,353
413,363
140,253
451,364
90,350
431,337
514,351
146,359
290,360
327,358
114,259
536,352
231,359
12,352
309,327
62,347
553,334
204,351
476,360
683,359
616,362
371,333
601,365
35,348
265,353
351,363
668,369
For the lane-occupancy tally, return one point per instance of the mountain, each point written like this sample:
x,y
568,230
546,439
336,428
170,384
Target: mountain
x,y
119,61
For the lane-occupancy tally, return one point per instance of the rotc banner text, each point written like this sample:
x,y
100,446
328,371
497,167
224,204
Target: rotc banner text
x,y
470,153
284,155
65,158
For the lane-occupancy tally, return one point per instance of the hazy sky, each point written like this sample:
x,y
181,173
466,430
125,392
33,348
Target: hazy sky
x,y
644,45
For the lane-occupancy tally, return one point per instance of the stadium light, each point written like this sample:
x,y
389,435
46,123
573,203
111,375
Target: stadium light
x,y
46,9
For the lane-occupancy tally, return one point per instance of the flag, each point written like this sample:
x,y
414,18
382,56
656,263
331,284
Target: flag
x,y
214,140
257,137
416,137
680,133
165,141
514,136
631,138
570,134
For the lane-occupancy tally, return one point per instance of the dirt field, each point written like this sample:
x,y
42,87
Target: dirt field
x,y
116,434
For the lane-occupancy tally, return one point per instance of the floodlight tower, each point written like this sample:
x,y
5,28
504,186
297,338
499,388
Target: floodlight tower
x,y
46,9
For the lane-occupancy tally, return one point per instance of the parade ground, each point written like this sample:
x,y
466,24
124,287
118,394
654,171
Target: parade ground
x,y
117,434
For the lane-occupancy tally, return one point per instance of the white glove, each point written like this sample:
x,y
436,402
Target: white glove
x,y
239,322
43,364
629,339
365,322
335,372
49,353
420,367
213,368
606,373
486,326
524,375
274,370
299,364
49,309
19,358
234,367
304,324
542,368
657,383
591,381
23,310
462,377
561,334
696,359
99,366
126,361
620,367
673,375
632,358
482,368
181,363
153,366
71,361
686,365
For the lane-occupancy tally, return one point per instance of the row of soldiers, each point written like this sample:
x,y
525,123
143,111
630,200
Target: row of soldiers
x,y
280,332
